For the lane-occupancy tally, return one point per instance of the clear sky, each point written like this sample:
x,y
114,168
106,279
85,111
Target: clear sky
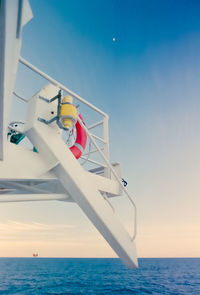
x,y
148,81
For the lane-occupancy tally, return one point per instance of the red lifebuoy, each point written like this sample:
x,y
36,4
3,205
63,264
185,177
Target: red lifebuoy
x,y
81,140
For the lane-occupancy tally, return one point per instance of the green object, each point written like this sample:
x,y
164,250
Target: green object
x,y
34,150
16,138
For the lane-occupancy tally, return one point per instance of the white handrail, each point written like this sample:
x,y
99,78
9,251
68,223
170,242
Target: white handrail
x,y
98,138
61,86
114,173
93,161
91,136
95,125
104,122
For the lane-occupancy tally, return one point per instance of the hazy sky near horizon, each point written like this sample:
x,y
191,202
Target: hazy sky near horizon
x,y
148,81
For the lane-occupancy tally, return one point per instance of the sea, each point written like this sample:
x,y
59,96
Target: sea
x,y
99,276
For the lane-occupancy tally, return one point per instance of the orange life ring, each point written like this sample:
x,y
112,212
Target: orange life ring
x,y
81,140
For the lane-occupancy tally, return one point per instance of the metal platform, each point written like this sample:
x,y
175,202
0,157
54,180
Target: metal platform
x,y
53,173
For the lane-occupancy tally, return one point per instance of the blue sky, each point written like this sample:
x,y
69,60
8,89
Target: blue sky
x,y
148,81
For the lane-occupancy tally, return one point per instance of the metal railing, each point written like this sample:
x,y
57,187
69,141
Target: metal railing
x,y
113,172
104,153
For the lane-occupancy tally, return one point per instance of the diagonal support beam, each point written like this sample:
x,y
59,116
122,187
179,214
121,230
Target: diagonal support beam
x,y
77,184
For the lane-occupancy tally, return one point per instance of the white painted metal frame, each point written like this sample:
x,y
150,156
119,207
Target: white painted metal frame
x,y
104,122
105,154
75,180
55,174
13,16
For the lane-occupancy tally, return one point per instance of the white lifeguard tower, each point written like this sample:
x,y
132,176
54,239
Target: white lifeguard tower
x,y
51,171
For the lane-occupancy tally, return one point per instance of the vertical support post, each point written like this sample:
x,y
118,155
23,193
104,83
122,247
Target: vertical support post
x,y
106,144
2,72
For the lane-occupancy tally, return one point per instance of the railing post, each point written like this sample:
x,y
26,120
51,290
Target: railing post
x,y
106,144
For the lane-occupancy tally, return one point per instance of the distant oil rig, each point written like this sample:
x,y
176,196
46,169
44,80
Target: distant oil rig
x,y
35,255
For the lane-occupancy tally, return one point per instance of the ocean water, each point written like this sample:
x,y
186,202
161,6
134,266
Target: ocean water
x,y
98,276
